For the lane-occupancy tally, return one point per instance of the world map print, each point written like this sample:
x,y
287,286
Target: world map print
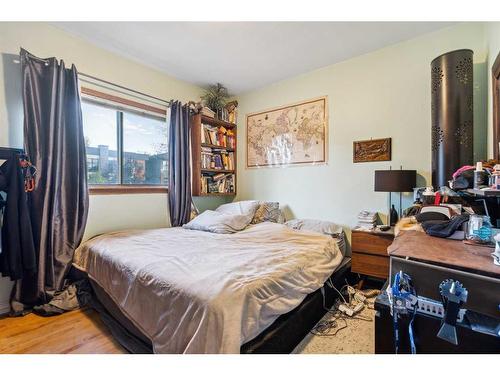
x,y
294,134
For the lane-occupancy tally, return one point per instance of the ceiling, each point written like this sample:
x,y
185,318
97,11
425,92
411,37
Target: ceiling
x,y
243,55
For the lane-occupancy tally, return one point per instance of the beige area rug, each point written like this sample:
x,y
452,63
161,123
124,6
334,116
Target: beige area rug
x,y
357,338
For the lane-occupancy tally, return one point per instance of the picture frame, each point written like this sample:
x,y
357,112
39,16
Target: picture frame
x,y
302,126
372,150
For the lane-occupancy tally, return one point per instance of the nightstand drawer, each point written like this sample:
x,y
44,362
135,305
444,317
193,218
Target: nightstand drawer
x,y
371,265
369,243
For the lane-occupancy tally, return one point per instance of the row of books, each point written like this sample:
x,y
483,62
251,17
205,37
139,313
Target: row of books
x,y
225,115
218,136
218,183
216,159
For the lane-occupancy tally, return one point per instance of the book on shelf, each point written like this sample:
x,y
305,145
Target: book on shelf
x,y
217,136
217,159
225,115
218,176
218,183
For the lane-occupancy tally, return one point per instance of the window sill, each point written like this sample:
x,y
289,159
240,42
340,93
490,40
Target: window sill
x,y
124,189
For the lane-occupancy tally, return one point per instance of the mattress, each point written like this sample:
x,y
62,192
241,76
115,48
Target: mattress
x,y
198,292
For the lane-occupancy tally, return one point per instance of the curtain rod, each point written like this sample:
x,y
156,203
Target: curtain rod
x,y
167,102
125,88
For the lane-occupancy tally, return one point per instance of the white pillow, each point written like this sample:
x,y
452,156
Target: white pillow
x,y
320,226
218,222
239,208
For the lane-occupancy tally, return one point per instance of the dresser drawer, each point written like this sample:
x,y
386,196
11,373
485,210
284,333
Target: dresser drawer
x,y
371,243
371,265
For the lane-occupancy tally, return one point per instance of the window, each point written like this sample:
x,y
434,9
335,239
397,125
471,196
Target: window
x,y
101,143
124,148
144,150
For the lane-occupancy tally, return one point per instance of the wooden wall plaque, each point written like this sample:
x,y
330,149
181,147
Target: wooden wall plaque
x,y
372,150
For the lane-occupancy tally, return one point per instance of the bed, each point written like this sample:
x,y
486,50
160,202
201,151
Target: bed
x,y
176,290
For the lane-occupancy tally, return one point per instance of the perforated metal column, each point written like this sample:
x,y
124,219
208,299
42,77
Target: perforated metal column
x,y
452,114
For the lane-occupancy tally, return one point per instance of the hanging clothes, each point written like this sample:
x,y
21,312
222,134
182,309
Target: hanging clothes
x,y
18,257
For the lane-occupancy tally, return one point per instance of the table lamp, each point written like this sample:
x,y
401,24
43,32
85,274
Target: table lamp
x,y
395,181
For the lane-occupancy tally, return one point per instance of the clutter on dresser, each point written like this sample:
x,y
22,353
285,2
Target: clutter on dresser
x,y
451,228
483,179
479,230
480,176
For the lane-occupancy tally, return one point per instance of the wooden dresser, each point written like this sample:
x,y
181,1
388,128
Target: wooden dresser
x,y
369,252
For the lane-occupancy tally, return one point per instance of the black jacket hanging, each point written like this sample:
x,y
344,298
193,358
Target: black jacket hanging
x,y
18,256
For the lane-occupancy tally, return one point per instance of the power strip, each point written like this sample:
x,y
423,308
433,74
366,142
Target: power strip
x,y
434,308
428,306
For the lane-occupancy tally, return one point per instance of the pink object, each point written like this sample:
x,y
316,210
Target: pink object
x,y
437,199
460,170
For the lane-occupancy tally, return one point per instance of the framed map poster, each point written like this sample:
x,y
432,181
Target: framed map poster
x,y
295,134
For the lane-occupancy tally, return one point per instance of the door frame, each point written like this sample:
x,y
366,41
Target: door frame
x,y
495,86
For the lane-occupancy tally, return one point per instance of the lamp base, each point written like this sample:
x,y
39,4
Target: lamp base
x,y
393,216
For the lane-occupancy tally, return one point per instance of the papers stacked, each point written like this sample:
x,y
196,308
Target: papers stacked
x,y
367,220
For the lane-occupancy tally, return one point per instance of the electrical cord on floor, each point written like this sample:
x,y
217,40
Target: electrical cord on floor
x,y
337,319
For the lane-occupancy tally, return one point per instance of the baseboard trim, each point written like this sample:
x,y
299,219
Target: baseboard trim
x,y
4,308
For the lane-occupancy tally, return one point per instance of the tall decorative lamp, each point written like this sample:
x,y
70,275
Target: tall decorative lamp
x,y
395,181
452,114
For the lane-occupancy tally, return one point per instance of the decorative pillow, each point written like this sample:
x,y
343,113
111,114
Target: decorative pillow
x,y
281,217
321,226
267,211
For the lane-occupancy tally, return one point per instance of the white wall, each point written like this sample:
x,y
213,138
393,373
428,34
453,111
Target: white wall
x,y
385,93
110,212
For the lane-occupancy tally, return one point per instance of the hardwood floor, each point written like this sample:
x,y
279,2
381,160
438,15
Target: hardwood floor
x,y
79,331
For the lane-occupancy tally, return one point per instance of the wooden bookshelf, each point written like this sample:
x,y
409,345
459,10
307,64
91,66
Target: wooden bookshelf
x,y
216,122
217,194
214,170
198,171
217,147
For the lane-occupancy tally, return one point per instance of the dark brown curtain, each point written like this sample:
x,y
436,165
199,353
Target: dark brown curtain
x,y
53,139
179,159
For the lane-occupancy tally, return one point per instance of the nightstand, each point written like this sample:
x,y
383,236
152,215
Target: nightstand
x,y
369,252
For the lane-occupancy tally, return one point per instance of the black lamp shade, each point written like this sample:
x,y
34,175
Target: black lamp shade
x,y
395,180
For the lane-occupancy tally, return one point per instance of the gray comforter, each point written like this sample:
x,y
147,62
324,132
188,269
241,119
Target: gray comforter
x,y
198,292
